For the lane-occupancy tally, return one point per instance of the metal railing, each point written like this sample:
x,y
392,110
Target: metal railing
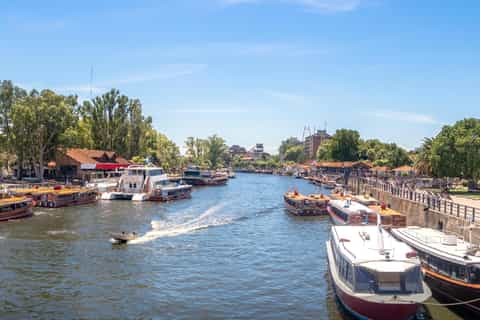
x,y
431,202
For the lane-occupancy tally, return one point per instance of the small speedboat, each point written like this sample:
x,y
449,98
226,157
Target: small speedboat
x,y
123,237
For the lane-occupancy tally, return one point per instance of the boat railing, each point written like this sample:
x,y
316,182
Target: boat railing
x,y
343,244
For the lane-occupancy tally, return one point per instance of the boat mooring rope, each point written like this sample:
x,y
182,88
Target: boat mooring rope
x,y
451,304
443,304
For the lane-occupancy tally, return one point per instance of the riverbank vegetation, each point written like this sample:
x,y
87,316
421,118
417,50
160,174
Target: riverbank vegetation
x,y
454,152
35,124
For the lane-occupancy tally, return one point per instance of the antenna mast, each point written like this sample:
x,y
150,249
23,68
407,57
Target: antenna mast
x,y
91,80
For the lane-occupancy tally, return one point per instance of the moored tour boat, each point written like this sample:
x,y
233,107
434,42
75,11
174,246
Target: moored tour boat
x,y
374,275
197,177
148,183
451,266
348,212
306,205
390,218
366,200
15,208
58,196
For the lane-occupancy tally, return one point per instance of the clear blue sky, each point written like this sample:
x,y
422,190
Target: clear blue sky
x,y
258,70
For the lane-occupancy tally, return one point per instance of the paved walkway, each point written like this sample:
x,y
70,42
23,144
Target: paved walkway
x,y
466,201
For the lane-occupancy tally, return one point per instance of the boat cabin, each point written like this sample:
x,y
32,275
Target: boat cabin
x,y
351,212
443,254
366,267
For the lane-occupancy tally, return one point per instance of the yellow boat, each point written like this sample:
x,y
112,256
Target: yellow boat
x,y
306,205
58,196
390,218
15,208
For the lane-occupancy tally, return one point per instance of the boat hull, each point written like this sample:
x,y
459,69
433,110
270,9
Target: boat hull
x,y
306,212
16,214
184,193
58,203
206,181
449,292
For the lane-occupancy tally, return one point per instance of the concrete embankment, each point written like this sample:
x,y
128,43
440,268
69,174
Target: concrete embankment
x,y
433,213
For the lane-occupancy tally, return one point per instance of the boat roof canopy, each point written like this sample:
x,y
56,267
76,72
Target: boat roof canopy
x,y
360,244
438,243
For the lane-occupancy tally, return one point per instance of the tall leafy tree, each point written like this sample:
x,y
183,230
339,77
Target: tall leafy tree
x,y
167,153
197,150
9,94
345,145
455,151
40,121
286,144
295,153
383,154
216,150
423,161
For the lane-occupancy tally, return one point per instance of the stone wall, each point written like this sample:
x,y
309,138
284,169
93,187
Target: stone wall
x,y
417,213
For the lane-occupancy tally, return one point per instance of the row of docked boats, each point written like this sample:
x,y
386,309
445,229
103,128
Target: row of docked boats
x,y
17,203
148,183
138,183
380,268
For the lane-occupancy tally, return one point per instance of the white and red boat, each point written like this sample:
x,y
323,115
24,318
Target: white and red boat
x,y
374,275
348,212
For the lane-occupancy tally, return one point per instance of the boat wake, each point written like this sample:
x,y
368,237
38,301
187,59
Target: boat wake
x,y
61,232
161,229
41,213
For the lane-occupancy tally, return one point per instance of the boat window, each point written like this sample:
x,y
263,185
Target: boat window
x,y
446,268
392,282
474,274
364,280
413,280
389,281
192,173
156,172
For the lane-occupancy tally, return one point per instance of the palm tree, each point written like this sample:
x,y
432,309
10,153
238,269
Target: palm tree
x,y
423,162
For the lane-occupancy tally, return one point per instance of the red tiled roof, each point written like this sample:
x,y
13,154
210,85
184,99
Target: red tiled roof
x,y
344,164
90,156
404,169
382,168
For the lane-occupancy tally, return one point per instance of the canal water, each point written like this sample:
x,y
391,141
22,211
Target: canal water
x,y
230,252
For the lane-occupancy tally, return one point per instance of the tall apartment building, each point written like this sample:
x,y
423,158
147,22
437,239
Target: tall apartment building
x,y
312,143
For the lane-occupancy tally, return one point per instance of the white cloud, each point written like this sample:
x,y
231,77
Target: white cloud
x,y
315,5
404,116
165,72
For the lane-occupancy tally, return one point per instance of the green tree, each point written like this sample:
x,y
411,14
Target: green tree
x,y
295,154
423,161
324,151
455,151
168,153
216,150
39,124
383,154
286,144
344,145
197,150
9,94
116,123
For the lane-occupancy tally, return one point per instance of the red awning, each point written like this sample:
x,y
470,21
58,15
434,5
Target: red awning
x,y
109,166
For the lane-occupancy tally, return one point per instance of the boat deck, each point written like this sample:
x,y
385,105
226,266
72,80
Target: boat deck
x,y
438,243
361,244
311,197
